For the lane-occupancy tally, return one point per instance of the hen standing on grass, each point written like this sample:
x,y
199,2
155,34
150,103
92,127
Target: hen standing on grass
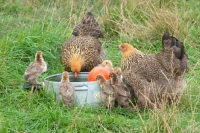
x,y
35,69
83,51
151,75
107,92
66,90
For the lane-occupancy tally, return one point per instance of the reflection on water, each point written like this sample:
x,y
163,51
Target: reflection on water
x,y
71,79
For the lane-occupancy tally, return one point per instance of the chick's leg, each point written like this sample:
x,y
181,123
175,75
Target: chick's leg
x,y
32,88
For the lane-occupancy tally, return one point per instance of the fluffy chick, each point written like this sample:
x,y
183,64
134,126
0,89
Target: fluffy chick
x,y
35,69
83,51
66,90
107,92
107,64
123,94
118,72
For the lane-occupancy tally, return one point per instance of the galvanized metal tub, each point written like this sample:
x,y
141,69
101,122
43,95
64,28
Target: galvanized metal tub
x,y
85,92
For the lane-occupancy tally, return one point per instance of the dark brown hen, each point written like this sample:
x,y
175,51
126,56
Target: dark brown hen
x,y
83,51
150,75
88,27
35,69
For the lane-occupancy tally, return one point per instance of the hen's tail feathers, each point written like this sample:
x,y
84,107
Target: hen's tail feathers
x,y
88,27
165,36
174,42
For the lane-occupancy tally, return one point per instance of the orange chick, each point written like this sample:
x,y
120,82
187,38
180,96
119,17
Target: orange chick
x,y
66,90
35,69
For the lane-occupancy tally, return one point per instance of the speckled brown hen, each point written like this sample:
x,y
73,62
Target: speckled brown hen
x,y
123,93
83,51
35,69
66,90
144,72
107,92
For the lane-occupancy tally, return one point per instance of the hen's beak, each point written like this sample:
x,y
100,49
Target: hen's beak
x,y
75,74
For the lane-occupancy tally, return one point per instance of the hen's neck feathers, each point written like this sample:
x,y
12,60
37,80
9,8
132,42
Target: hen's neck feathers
x,y
131,56
76,63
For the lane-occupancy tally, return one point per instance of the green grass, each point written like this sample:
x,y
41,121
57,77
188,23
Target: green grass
x,y
28,26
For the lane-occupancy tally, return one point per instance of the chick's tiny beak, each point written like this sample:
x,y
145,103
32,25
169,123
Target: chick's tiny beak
x,y
75,74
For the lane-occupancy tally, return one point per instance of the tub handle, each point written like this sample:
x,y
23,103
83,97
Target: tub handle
x,y
81,87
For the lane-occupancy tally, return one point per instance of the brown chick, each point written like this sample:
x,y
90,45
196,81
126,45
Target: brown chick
x,y
123,94
141,71
66,90
107,92
107,64
83,51
118,72
35,69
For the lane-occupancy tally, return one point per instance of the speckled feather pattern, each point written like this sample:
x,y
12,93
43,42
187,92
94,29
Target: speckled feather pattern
x,y
88,27
145,74
85,47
